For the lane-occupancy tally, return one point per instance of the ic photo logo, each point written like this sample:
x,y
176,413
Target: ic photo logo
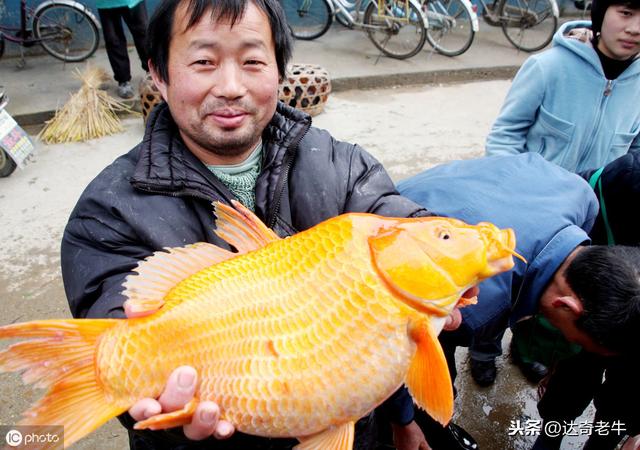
x,y
13,438
32,436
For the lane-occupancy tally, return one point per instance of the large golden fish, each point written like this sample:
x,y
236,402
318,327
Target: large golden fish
x,y
295,337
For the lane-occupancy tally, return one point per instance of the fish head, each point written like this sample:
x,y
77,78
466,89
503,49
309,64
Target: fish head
x,y
430,262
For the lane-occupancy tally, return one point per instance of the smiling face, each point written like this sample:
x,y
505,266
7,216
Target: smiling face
x,y
620,35
222,87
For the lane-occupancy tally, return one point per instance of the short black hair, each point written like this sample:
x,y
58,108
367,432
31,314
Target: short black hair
x,y
607,282
161,29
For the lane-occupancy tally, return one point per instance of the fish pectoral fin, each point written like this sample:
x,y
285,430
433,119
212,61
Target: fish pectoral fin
x,y
241,228
334,438
169,420
428,379
160,272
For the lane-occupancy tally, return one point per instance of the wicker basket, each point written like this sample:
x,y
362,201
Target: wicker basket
x,y
149,96
306,87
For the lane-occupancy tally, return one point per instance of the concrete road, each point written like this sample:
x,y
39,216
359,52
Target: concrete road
x,y
408,129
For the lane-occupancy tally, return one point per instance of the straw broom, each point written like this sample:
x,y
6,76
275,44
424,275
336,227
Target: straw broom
x,y
90,113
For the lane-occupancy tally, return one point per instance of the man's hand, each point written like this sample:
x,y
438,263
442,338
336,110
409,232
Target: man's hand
x,y
179,390
455,318
409,437
633,443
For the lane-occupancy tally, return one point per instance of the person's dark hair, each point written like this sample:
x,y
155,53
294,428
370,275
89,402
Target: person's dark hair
x,y
161,29
607,282
599,7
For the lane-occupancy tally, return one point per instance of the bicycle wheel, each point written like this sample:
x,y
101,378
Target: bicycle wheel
x,y
66,32
450,28
528,24
341,19
308,19
350,6
391,31
7,165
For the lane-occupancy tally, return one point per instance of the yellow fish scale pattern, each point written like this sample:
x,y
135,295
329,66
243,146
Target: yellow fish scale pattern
x,y
283,338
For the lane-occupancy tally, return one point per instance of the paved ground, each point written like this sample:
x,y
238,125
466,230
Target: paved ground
x,y
408,129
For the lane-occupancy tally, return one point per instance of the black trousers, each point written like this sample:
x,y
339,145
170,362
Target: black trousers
x,y
579,379
116,41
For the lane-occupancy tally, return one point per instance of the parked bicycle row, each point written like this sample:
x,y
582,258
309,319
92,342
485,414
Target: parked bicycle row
x,y
400,28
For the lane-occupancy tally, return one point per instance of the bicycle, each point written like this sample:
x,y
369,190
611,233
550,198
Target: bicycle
x,y
452,25
66,30
396,27
529,25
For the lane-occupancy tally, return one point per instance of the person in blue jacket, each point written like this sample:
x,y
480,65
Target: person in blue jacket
x,y
572,103
591,294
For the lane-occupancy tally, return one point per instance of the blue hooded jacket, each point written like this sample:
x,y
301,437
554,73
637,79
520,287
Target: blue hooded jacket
x,y
561,106
551,211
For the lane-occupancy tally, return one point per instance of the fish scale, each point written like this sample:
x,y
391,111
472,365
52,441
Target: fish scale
x,y
295,337
319,324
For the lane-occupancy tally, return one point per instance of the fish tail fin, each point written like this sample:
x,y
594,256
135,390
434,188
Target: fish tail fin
x,y
60,357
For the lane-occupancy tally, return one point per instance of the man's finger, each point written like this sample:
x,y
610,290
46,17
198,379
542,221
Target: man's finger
x,y
224,430
130,313
179,389
145,408
453,320
204,422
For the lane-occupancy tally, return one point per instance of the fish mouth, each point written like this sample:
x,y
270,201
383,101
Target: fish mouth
x,y
500,251
444,306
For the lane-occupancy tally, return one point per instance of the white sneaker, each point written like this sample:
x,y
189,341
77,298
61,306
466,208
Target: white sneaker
x,y
125,90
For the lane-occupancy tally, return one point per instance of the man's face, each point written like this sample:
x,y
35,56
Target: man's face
x,y
620,34
223,83
561,316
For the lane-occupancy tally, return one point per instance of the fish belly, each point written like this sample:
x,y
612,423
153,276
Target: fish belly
x,y
288,340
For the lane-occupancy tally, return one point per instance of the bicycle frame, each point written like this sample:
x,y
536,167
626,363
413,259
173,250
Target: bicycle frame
x,y
493,15
342,6
71,3
436,16
23,30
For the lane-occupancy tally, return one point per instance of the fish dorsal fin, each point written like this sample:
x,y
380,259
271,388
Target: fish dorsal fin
x,y
428,378
163,270
334,438
241,228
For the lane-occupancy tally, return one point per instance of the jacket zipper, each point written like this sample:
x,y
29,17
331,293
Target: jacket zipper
x,y
291,151
607,92
183,193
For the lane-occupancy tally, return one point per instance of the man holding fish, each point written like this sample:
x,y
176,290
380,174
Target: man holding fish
x,y
220,136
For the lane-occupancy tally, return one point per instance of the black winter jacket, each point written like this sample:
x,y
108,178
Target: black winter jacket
x,y
620,182
159,195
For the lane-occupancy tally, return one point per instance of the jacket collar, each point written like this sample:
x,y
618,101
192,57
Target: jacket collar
x,y
541,270
165,164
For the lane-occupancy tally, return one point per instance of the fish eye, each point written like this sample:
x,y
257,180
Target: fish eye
x,y
444,235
